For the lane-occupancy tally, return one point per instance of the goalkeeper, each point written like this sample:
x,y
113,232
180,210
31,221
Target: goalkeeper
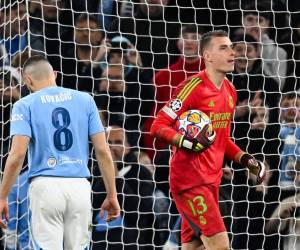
x,y
196,165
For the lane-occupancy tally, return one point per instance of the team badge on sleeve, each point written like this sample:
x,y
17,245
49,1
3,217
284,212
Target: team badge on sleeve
x,y
175,105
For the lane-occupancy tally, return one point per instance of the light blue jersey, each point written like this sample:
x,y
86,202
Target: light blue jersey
x,y
59,122
290,155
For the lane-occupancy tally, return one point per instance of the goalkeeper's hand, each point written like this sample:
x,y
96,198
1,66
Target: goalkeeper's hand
x,y
199,143
255,167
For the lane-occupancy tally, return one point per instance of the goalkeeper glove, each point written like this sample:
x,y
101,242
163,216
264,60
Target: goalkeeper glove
x,y
255,167
199,143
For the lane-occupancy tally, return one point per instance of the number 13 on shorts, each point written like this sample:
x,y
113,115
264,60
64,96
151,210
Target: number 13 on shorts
x,y
198,207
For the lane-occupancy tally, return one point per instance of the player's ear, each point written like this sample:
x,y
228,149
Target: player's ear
x,y
55,74
26,79
28,82
206,56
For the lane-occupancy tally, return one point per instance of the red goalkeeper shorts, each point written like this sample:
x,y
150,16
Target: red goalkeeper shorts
x,y
200,213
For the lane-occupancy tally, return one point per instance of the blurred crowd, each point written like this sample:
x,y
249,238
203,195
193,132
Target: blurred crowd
x,y
130,55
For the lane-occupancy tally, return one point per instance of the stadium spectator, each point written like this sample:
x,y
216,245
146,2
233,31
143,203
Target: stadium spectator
x,y
253,202
293,49
256,111
254,86
80,60
49,32
117,233
10,92
123,52
139,179
13,27
114,235
107,12
59,193
144,159
17,232
152,30
162,203
290,136
120,51
189,63
255,128
213,14
284,221
125,100
258,25
127,8
256,91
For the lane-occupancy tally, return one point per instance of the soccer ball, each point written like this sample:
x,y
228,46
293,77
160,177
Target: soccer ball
x,y
192,122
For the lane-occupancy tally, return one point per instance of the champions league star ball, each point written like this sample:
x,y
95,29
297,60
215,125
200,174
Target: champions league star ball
x,y
192,122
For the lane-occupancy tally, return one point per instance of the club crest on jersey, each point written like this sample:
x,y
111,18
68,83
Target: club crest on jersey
x,y
175,105
51,162
231,105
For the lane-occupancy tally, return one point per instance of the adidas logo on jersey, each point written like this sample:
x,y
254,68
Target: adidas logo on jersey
x,y
211,104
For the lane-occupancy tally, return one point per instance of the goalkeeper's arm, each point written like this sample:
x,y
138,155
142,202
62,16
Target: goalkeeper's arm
x,y
162,129
234,153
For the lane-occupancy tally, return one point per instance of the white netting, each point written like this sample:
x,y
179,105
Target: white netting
x,y
130,55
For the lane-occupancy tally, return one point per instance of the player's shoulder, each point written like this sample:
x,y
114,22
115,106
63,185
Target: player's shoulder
x,y
191,81
186,87
26,100
229,83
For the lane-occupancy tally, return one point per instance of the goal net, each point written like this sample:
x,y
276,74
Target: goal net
x,y
130,55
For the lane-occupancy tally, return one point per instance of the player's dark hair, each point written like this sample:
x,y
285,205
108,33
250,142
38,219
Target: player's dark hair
x,y
34,60
289,96
90,18
191,28
208,36
241,38
259,8
84,17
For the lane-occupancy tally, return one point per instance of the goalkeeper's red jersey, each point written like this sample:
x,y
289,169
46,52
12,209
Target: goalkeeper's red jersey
x,y
187,168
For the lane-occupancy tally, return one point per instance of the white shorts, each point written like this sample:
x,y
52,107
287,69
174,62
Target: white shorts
x,y
60,213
